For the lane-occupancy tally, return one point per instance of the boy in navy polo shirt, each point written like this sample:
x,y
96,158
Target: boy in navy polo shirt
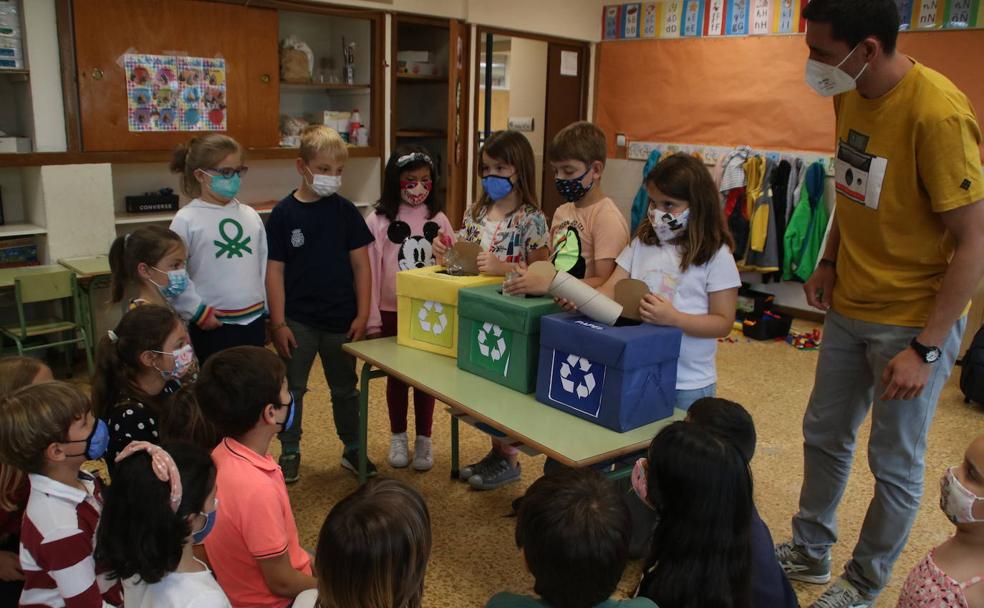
x,y
318,288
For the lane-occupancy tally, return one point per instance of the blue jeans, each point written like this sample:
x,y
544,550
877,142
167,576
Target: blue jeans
x,y
853,356
686,397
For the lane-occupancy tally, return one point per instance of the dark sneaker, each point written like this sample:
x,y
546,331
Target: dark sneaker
x,y
842,594
350,461
798,566
466,473
495,475
290,463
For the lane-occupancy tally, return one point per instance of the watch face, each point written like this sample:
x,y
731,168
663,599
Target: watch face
x,y
933,356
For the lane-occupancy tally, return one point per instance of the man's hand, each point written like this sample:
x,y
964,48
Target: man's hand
x,y
284,341
905,376
820,288
357,330
657,310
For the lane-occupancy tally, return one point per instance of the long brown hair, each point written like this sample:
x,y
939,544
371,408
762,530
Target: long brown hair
x,y
373,548
511,148
202,152
146,245
684,177
15,372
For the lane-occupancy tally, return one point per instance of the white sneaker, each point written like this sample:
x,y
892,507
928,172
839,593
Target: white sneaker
x,y
399,454
423,460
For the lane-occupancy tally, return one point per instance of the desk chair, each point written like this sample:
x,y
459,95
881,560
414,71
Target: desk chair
x,y
48,287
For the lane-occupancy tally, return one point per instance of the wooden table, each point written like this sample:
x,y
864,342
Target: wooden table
x,y
7,275
565,438
92,272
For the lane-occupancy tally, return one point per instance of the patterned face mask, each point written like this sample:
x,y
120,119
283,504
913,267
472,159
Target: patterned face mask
x,y
415,192
572,189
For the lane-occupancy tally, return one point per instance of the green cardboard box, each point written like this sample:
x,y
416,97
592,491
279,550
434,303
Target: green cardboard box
x,y
499,336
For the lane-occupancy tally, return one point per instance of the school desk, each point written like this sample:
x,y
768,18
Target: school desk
x,y
92,272
565,438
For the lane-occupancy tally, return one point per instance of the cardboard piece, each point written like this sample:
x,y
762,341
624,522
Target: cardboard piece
x,y
588,300
545,270
629,293
462,258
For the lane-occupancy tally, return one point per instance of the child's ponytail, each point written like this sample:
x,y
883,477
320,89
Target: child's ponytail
x,y
146,245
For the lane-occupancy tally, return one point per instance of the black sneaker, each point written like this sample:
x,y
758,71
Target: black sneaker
x,y
350,461
289,463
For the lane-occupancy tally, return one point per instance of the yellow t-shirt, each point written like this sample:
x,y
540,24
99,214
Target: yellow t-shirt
x,y
902,159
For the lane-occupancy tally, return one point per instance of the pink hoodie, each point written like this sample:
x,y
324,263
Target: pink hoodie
x,y
399,245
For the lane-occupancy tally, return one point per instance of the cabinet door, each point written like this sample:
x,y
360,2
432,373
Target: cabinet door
x,y
458,107
105,30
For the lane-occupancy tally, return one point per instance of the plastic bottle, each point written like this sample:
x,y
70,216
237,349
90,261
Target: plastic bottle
x,y
354,124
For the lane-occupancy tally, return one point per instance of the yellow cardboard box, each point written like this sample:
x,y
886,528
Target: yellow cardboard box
x,y
427,308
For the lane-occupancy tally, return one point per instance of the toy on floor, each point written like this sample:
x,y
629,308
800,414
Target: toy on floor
x,y
809,340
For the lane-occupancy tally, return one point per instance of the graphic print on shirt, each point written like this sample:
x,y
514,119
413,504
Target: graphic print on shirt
x,y
859,175
233,243
415,251
567,255
296,238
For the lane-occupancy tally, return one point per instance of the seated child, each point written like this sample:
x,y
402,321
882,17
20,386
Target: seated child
x,y
15,372
48,431
573,531
161,503
134,362
951,574
373,549
699,485
770,587
253,548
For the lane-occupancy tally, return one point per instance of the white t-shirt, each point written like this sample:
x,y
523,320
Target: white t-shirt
x,y
176,590
659,267
306,599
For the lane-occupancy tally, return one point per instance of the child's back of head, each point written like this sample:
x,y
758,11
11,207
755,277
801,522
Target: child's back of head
x,y
34,417
373,548
573,528
235,386
728,419
16,373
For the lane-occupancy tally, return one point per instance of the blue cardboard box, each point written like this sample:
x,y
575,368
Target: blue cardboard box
x,y
619,377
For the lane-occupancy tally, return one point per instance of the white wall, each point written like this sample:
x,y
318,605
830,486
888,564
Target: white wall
x,y
71,193
41,33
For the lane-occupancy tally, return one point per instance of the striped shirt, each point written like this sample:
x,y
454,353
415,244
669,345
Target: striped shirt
x,y
57,540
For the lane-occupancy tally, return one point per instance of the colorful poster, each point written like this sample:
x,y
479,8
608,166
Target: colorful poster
x,y
786,17
671,18
961,13
928,14
761,17
714,21
612,21
167,93
693,18
650,20
630,20
905,14
736,22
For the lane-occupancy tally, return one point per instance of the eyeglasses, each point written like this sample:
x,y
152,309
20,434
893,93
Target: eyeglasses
x,y
229,171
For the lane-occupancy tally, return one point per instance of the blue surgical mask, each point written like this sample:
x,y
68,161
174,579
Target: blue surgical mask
x,y
497,187
289,421
177,282
572,189
96,443
226,187
199,536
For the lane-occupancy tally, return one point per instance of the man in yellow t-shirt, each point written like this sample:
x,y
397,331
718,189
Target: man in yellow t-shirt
x,y
902,259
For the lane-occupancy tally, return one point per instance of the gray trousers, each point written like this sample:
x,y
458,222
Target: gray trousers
x,y
339,369
853,356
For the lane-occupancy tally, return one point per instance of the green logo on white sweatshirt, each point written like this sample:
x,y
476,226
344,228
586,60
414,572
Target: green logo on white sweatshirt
x,y
232,245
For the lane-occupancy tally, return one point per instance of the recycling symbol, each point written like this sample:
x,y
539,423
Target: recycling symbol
x,y
429,309
570,369
491,343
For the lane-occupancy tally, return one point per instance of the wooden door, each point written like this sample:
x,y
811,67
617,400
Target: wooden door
x,y
105,30
458,107
566,103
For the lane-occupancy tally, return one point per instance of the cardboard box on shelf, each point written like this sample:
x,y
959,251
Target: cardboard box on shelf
x,y
15,145
416,68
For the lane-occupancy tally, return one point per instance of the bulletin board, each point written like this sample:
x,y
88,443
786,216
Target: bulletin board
x,y
745,91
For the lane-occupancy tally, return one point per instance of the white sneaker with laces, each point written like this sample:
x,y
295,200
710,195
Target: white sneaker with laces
x,y
423,459
842,594
399,454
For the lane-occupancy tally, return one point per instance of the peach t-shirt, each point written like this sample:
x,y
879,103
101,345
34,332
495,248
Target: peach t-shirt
x,y
580,236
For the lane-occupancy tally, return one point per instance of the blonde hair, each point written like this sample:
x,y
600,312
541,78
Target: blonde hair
x,y
15,372
34,417
202,152
319,138
581,141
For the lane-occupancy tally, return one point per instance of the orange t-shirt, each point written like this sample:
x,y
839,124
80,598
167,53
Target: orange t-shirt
x,y
581,236
254,522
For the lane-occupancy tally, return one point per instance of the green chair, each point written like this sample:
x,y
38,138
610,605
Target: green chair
x,y
48,287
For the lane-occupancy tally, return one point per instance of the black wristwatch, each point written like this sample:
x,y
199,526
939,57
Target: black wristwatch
x,y
929,354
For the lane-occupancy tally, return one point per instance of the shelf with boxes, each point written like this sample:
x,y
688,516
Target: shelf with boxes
x,y
16,119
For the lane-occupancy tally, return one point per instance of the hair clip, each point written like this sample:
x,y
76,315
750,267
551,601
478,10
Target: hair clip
x,y
126,238
406,159
112,336
162,465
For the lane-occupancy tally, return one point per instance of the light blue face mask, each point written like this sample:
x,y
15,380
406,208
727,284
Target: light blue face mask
x,y
226,187
177,282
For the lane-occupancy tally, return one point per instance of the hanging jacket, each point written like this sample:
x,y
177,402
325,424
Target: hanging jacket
x,y
780,202
734,211
732,169
763,248
641,203
804,235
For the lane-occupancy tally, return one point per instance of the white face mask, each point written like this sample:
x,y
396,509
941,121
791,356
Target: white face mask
x,y
957,501
667,225
325,185
830,80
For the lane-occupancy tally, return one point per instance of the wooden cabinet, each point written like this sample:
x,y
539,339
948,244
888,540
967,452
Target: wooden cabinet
x,y
430,98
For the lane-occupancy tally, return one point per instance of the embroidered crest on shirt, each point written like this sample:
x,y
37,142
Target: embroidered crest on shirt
x,y
232,244
296,238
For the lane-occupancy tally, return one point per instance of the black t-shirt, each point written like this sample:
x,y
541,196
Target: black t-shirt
x,y
313,240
